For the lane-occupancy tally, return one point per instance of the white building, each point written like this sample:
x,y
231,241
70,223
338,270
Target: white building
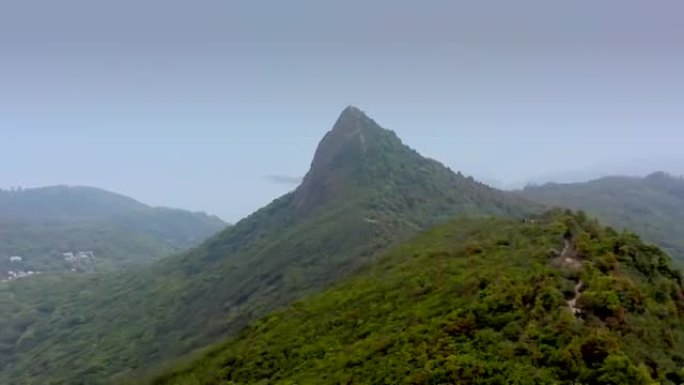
x,y
16,258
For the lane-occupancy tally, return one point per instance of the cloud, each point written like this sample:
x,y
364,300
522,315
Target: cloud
x,y
283,179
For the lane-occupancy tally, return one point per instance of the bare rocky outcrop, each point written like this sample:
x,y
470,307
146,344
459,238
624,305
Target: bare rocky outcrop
x,y
339,155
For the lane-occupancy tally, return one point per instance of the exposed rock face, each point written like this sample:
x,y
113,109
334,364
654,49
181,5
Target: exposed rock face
x,y
346,134
339,155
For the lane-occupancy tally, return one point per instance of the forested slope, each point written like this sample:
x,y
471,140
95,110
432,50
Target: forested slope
x,y
482,301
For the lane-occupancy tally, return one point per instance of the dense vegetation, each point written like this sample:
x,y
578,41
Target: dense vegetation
x,y
474,302
365,192
652,206
42,224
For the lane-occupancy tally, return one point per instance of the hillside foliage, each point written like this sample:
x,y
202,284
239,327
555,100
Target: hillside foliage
x,y
474,302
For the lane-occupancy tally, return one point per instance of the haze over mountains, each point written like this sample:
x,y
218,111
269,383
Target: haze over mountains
x,y
365,194
652,206
487,88
62,228
629,168
460,239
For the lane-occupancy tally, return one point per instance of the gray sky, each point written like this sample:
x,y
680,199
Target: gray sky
x,y
218,105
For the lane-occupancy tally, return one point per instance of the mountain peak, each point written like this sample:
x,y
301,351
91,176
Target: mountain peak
x,y
349,118
340,154
352,122
352,110
349,134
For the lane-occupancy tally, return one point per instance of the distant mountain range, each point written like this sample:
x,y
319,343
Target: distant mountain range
x,y
47,230
640,168
652,206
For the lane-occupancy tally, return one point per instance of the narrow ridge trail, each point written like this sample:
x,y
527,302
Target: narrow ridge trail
x,y
569,256
573,302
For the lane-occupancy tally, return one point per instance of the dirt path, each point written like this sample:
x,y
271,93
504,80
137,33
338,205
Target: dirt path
x,y
569,257
573,301
569,254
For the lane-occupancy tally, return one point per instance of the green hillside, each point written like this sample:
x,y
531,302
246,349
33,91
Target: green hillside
x,y
481,301
40,225
652,206
365,192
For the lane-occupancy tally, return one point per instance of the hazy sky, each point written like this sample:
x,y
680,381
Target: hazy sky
x,y
218,105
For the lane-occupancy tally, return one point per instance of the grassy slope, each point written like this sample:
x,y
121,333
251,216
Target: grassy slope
x,y
473,302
